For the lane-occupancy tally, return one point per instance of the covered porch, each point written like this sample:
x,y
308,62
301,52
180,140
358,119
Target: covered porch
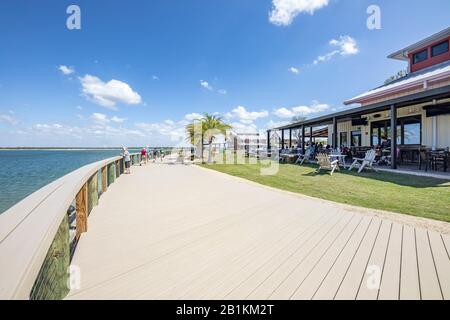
x,y
420,141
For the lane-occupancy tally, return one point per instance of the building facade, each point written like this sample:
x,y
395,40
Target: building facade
x,y
416,105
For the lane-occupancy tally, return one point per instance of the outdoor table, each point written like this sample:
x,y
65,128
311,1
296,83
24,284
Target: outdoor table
x,y
340,158
435,156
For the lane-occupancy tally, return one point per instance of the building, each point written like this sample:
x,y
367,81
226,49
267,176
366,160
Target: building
x,y
417,105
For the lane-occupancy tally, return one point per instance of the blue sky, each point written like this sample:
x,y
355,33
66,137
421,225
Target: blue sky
x,y
138,71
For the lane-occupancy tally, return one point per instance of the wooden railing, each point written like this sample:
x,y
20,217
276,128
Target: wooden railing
x,y
39,234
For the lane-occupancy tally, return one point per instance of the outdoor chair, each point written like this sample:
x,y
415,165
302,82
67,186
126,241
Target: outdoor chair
x,y
424,160
304,157
326,164
367,162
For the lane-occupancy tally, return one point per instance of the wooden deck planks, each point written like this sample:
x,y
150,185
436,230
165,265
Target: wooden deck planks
x,y
288,287
264,244
252,282
429,283
371,282
409,276
350,284
390,277
442,262
273,282
311,284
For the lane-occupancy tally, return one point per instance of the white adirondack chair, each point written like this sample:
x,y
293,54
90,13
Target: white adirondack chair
x,y
326,164
304,157
367,162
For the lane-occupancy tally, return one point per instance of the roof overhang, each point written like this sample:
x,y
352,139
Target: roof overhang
x,y
404,53
414,82
421,97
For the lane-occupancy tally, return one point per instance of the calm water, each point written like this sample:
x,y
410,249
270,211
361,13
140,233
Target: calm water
x,y
24,171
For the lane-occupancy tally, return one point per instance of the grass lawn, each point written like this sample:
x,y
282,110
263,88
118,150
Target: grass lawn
x,y
417,196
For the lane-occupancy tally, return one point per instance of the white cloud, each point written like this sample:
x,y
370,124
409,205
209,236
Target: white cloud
x,y
108,94
66,70
315,107
99,118
276,124
168,129
206,85
326,57
242,114
240,127
284,11
9,119
193,116
294,70
155,77
79,107
118,120
346,46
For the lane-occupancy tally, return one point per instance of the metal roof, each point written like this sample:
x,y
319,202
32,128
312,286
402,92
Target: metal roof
x,y
435,72
376,107
403,53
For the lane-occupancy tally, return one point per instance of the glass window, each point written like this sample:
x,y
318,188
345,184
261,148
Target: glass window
x,y
375,136
439,49
343,139
356,138
411,132
420,56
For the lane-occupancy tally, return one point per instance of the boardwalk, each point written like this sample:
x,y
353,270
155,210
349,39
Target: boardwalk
x,y
182,232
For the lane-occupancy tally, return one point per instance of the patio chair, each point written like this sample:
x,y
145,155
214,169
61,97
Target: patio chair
x,y
326,164
425,160
367,162
304,157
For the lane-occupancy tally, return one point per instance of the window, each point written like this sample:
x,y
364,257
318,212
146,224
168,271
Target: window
x,y
356,138
408,132
375,136
420,56
343,139
411,131
439,49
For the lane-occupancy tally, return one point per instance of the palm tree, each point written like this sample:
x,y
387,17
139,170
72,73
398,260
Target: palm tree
x,y
210,125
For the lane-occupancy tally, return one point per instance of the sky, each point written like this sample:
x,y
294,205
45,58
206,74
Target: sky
x,y
136,72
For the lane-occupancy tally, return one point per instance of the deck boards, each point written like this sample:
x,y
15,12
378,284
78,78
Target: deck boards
x,y
204,235
409,279
370,284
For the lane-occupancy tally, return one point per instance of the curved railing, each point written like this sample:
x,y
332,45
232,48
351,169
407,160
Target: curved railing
x,y
39,234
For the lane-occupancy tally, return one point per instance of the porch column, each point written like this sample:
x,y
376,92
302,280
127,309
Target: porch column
x,y
335,133
434,133
393,137
290,138
310,134
282,139
303,139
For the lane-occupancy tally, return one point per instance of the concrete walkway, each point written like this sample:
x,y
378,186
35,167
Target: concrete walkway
x,y
183,232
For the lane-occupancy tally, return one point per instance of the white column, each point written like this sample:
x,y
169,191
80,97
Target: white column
x,y
434,129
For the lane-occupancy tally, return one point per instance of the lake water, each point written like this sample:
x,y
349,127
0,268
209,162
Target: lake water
x,y
24,171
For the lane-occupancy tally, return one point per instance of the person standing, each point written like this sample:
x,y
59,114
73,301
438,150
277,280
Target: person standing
x,y
127,159
143,156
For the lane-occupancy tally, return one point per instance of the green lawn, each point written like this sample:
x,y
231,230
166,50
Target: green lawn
x,y
417,196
